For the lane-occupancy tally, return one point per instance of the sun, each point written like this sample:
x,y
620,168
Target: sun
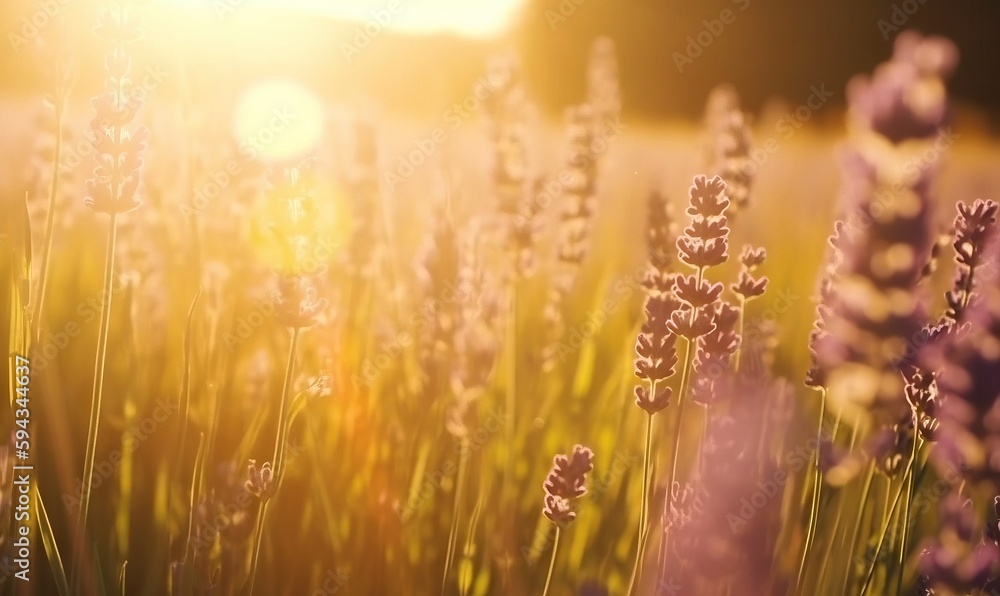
x,y
279,120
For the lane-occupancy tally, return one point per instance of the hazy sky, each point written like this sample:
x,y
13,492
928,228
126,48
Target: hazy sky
x,y
672,52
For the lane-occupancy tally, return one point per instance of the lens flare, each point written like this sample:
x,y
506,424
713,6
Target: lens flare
x,y
278,120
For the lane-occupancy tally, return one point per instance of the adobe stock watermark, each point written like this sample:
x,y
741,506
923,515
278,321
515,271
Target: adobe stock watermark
x,y
900,15
226,515
32,25
622,463
427,145
622,291
133,436
432,482
540,544
250,147
333,581
861,217
562,13
925,499
263,308
144,84
392,349
544,536
668,587
795,461
87,311
373,27
788,125
555,186
711,31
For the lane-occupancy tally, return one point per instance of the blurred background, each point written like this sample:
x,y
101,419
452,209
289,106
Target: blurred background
x,y
423,54
219,80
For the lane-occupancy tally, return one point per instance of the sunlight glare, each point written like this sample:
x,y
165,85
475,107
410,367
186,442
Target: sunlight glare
x,y
470,18
278,120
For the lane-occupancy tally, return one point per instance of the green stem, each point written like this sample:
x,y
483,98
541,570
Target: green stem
x,y
43,277
185,397
739,346
841,498
644,503
463,464
817,494
511,393
187,578
888,520
906,508
277,459
853,544
95,404
552,562
668,500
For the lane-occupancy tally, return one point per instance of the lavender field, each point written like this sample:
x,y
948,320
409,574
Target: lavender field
x,y
270,339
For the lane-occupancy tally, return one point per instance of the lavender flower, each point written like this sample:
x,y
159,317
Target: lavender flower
x,y
507,107
905,98
603,91
715,350
296,303
566,483
705,242
260,481
876,311
969,386
476,340
660,243
714,540
975,228
579,200
736,167
722,102
656,354
748,286
816,376
575,221
117,145
439,267
960,559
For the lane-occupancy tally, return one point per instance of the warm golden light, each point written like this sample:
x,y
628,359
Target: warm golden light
x,y
278,120
483,18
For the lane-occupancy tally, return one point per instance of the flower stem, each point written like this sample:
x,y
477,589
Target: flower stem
x,y
852,545
278,459
679,425
463,465
552,562
888,518
644,503
739,346
95,403
43,276
906,508
510,395
817,494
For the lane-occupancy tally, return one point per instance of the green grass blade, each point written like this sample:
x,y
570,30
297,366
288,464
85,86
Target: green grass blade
x,y
51,549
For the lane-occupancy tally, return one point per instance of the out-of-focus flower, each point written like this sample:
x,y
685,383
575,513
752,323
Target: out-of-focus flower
x,y
117,144
906,98
260,481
